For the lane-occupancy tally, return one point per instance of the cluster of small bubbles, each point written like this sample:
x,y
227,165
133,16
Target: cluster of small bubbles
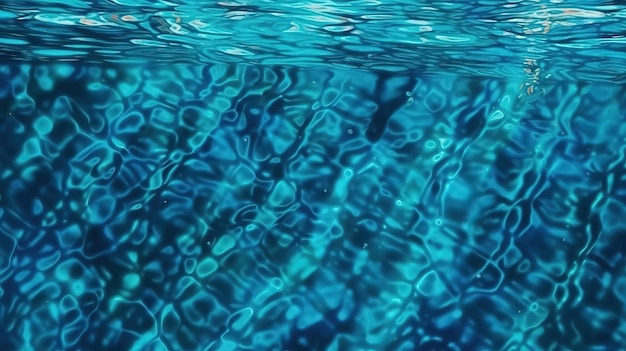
x,y
410,97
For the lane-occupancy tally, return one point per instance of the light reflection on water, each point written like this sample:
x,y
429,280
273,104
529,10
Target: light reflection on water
x,y
565,40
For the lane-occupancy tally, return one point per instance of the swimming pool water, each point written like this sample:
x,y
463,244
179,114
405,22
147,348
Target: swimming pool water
x,y
570,40
300,200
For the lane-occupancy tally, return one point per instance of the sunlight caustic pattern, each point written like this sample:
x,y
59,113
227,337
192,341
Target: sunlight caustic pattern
x,y
245,208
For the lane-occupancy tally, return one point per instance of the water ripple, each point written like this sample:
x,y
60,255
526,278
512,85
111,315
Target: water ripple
x,y
572,41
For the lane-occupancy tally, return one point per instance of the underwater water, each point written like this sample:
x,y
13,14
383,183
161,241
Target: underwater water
x,y
312,176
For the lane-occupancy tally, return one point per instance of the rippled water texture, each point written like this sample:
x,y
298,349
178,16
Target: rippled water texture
x,y
244,208
545,40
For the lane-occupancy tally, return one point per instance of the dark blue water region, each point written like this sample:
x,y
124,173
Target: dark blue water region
x,y
231,207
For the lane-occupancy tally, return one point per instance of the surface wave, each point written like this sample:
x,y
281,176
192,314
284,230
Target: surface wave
x,y
572,41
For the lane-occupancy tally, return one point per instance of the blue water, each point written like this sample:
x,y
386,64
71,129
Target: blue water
x,y
324,175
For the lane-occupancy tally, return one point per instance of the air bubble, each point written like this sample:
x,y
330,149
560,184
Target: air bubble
x,y
277,283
